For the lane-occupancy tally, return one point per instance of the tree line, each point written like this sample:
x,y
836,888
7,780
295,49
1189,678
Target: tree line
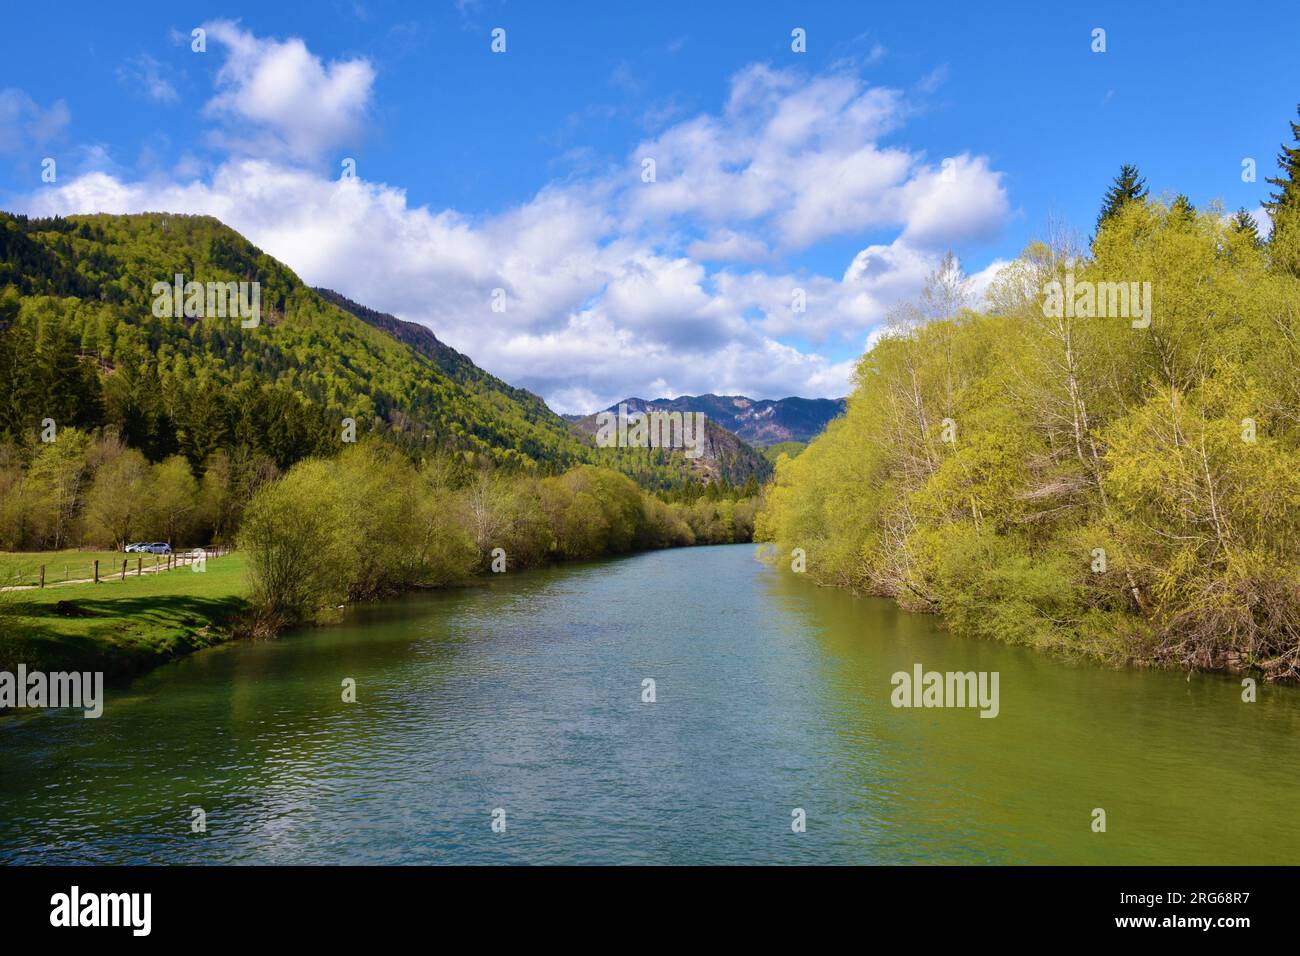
x,y
89,488
1103,485
369,522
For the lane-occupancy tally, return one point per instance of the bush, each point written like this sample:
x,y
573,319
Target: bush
x,y
296,545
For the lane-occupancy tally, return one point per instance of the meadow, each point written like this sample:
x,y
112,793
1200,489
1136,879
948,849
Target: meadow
x,y
120,626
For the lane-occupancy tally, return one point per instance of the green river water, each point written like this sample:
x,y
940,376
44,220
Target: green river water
x,y
525,694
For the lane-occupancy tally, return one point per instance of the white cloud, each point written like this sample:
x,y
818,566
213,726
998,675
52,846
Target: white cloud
x,y
1263,221
801,160
725,244
961,203
281,90
612,287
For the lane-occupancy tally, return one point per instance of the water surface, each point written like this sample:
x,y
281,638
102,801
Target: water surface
x,y
525,693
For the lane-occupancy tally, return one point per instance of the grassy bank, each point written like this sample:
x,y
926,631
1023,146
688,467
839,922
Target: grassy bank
x,y
363,525
24,567
122,627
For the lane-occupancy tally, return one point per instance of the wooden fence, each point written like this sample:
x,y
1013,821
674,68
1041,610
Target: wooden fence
x,y
137,564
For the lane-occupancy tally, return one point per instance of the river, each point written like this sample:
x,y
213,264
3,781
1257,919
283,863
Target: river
x,y
524,694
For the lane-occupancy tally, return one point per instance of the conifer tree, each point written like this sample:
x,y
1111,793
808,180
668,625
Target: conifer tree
x,y
1244,223
1284,206
1128,186
1182,210
1288,194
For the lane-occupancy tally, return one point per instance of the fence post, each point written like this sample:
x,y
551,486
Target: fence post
x,y
97,570
139,566
42,575
124,560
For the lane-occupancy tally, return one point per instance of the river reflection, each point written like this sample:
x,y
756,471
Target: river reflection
x,y
525,694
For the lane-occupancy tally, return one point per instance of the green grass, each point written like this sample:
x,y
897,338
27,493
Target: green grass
x,y
24,567
121,627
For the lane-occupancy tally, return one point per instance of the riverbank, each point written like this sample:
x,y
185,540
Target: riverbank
x,y
123,626
127,625
528,692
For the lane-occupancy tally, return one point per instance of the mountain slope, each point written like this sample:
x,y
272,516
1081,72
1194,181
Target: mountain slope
x,y
81,344
455,365
723,458
760,422
83,341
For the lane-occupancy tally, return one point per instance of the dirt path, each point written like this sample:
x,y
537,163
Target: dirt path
x,y
115,574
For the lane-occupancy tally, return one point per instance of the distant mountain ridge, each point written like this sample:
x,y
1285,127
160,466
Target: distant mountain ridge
x,y
723,456
759,422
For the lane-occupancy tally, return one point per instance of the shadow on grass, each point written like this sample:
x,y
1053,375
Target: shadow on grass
x,y
120,636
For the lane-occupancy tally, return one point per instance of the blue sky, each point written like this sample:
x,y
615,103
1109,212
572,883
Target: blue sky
x,y
522,171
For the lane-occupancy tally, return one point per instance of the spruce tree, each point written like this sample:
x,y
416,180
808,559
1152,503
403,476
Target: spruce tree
x,y
1284,207
1288,194
1244,224
1182,210
1128,185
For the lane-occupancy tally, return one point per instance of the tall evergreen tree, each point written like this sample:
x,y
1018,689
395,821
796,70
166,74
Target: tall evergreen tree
x,y
22,384
1244,223
204,426
1128,186
1284,206
1288,194
1182,210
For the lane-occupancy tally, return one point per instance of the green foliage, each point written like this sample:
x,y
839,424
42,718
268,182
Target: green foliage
x,y
1284,206
1127,187
1127,492
791,448
117,507
370,523
298,545
1243,223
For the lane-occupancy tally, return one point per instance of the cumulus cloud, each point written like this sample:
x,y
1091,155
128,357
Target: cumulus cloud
x,y
801,160
612,287
279,89
729,245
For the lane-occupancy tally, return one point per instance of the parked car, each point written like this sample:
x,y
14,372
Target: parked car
x,y
136,547
158,547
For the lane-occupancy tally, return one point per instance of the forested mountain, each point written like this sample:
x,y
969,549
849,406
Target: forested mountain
x,y
760,422
81,345
723,459
123,414
456,366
